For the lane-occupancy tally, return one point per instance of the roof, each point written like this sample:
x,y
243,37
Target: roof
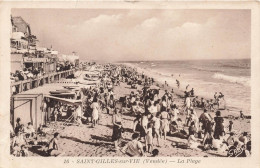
x,y
21,25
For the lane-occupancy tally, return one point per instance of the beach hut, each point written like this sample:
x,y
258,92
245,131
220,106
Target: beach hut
x,y
27,107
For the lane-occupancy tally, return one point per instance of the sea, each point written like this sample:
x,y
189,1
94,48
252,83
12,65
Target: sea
x,y
231,77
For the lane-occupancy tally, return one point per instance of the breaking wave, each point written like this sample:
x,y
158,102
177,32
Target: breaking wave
x,y
233,79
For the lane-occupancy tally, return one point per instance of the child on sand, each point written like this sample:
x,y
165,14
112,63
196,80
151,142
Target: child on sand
x,y
24,152
29,130
53,148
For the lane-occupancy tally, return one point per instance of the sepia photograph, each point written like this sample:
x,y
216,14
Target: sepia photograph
x,y
130,82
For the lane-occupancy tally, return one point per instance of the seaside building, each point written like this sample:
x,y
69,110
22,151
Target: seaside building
x,y
25,50
19,42
22,41
71,59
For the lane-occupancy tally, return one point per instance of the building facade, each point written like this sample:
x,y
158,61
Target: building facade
x,y
25,50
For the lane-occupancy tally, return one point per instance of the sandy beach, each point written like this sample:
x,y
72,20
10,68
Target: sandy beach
x,y
84,140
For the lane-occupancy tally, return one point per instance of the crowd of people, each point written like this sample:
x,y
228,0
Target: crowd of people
x,y
21,136
156,117
34,72
26,73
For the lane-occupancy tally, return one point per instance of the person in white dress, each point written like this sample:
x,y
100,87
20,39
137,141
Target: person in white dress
x,y
153,108
79,114
95,108
174,113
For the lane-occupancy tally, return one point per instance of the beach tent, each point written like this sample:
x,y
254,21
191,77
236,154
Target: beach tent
x,y
28,108
64,95
63,100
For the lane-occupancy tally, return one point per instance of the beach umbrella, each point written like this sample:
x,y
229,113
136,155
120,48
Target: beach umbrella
x,y
154,87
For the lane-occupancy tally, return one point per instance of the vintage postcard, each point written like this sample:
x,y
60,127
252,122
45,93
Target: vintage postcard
x,y
123,84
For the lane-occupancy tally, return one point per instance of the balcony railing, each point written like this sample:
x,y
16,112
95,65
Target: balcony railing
x,y
25,85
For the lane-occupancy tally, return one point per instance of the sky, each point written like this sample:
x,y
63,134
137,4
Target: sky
x,y
140,35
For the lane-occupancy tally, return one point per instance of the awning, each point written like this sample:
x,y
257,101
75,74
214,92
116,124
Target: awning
x,y
63,100
33,60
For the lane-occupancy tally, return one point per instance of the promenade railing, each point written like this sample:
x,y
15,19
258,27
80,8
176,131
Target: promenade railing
x,y
21,86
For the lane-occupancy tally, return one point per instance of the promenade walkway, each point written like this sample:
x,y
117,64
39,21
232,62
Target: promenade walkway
x,y
25,85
